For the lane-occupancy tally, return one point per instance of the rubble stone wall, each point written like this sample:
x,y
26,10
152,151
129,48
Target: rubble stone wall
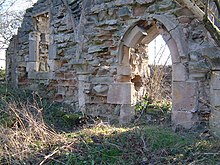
x,y
96,55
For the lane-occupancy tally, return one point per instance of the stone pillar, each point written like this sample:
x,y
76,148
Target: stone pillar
x,y
34,39
124,94
215,102
81,68
185,103
11,63
81,91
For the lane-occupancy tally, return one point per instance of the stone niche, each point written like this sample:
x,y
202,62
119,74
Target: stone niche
x,y
39,63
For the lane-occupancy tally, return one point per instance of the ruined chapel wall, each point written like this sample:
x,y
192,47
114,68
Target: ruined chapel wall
x,y
85,53
108,22
60,80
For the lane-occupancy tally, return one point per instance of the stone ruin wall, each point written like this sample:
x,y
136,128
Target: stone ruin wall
x,y
94,51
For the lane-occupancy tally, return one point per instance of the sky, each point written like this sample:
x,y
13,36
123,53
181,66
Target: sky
x,y
159,52
18,6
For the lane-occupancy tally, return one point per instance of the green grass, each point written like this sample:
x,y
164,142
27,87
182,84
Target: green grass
x,y
2,74
103,144
99,143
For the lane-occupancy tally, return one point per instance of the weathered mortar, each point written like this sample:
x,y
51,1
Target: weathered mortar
x,y
92,65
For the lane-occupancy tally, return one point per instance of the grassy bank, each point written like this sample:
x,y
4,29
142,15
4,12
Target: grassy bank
x,y
37,131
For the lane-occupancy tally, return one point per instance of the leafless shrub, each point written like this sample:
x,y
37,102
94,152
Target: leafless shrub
x,y
160,80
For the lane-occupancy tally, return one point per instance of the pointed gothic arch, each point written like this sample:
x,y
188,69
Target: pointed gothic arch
x,y
123,91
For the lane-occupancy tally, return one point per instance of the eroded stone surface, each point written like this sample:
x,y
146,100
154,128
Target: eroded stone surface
x,y
121,93
184,118
185,96
215,122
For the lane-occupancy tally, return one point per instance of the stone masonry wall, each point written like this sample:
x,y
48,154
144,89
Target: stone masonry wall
x,y
98,50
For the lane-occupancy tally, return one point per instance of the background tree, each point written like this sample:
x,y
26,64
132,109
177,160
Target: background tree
x,y
11,15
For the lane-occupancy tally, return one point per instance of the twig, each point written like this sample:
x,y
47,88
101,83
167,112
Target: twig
x,y
145,146
50,157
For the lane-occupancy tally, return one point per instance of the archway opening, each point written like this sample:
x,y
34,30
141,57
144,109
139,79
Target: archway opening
x,y
134,82
159,87
153,80
145,62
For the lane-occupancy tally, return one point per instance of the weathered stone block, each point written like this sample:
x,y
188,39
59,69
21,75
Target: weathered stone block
x,y
126,113
41,75
121,78
124,11
123,2
108,22
31,66
102,80
215,122
139,10
67,83
94,49
215,97
215,80
121,93
61,90
101,90
52,51
124,70
184,118
213,55
69,76
34,38
185,96
179,72
144,1
84,78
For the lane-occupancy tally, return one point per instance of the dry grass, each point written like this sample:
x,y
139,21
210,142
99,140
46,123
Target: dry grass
x,y
26,139
27,135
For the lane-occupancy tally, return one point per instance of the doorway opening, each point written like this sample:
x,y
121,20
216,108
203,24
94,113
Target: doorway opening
x,y
156,100
159,86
